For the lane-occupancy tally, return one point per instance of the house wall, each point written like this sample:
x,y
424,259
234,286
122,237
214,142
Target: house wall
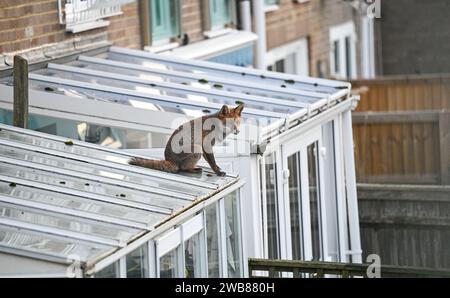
x,y
28,24
414,37
312,20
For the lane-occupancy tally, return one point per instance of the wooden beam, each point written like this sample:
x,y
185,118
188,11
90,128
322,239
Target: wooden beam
x,y
444,146
20,108
395,117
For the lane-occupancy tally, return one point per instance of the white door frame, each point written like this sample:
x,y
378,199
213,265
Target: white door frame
x,y
300,145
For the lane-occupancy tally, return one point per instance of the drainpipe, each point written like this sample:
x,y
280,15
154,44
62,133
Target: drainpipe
x,y
245,15
259,21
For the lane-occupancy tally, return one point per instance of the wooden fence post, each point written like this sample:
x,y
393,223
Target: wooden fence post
x,y
20,109
444,146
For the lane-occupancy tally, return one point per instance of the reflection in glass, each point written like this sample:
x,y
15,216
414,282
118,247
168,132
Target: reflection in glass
x,y
192,257
295,206
137,263
112,271
168,264
269,172
212,238
316,229
232,234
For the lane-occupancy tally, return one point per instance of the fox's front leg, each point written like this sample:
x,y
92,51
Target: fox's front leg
x,y
209,157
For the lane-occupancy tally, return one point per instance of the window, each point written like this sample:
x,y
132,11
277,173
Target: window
x,y
83,15
137,263
233,235
112,271
164,17
343,51
270,207
292,58
212,241
220,13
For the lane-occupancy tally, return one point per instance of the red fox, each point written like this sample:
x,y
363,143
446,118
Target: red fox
x,y
195,139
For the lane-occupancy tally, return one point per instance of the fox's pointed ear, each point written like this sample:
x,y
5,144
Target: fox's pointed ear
x,y
239,109
224,110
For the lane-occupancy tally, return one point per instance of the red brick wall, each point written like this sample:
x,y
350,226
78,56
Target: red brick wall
x,y
293,21
191,19
30,23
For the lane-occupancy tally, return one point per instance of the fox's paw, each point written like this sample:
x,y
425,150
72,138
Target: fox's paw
x,y
134,161
221,173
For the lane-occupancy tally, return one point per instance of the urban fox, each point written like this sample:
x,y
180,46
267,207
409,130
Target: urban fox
x,y
195,139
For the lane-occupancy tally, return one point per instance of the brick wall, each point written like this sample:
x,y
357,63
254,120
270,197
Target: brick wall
x,y
312,20
191,19
27,24
415,36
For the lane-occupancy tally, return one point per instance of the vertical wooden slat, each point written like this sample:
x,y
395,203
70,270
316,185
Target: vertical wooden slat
x,y
20,108
444,145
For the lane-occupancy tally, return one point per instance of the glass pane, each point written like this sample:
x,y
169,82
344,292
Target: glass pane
x,y
212,238
137,263
348,57
112,271
337,66
279,65
220,13
193,257
233,236
270,174
168,265
314,199
295,206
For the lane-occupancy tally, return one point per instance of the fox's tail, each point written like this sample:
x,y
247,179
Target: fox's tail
x,y
161,165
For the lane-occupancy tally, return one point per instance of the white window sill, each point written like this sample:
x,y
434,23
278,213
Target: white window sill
x,y
269,8
75,28
162,48
217,32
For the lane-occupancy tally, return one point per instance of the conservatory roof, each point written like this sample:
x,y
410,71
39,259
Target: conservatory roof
x,y
61,198
189,87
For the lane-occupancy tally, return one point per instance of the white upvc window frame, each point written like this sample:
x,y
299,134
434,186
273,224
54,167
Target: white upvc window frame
x,y
300,51
339,34
83,15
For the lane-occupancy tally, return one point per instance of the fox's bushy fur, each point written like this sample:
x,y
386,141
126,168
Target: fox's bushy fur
x,y
224,122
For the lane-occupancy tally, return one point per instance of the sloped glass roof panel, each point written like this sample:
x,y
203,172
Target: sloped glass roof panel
x,y
153,89
89,206
100,171
47,245
158,75
98,154
257,76
20,214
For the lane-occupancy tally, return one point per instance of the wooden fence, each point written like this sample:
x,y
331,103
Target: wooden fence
x,y
406,225
322,269
402,130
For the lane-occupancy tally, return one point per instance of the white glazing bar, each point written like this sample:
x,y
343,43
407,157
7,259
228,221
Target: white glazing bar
x,y
226,68
350,179
239,83
214,93
150,173
145,97
59,232
111,181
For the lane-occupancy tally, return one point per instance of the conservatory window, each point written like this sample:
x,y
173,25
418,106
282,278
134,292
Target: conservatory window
x,y
137,263
193,256
295,206
314,199
111,271
168,264
270,206
212,238
233,236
